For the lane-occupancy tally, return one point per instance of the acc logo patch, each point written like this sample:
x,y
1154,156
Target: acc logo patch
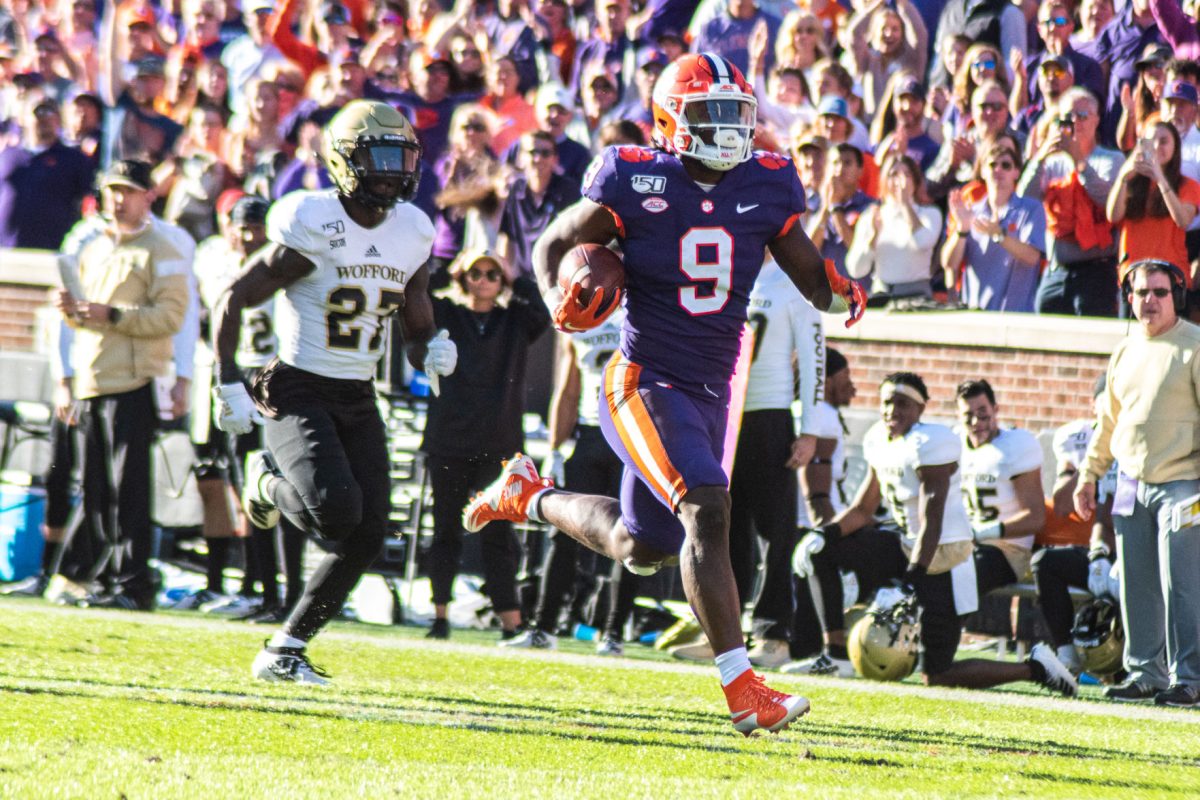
x,y
649,184
634,154
771,160
655,205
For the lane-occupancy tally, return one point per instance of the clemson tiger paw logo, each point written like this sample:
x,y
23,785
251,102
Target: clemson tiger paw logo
x,y
772,160
634,154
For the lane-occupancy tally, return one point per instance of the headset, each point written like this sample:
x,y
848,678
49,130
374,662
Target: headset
x,y
1178,282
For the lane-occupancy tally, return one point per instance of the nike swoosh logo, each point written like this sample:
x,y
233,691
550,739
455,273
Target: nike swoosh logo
x,y
741,715
741,209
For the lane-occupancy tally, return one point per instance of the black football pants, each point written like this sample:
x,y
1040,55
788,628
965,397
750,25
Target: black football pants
x,y
592,469
331,445
1055,571
764,496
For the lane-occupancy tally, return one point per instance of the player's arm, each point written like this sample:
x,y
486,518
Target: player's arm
x,y
816,481
825,289
1104,538
417,321
272,268
861,512
564,405
935,493
585,222
1031,517
1064,487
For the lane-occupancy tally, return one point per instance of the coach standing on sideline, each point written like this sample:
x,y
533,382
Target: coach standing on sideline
x,y
135,283
1150,423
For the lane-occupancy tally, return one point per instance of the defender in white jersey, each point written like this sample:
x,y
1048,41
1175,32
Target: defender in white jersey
x,y
592,468
914,467
763,490
1001,488
345,260
821,487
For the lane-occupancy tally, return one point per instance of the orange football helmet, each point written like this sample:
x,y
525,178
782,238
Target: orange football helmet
x,y
703,108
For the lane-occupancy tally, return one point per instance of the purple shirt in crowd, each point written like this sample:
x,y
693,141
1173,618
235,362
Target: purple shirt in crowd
x,y
40,194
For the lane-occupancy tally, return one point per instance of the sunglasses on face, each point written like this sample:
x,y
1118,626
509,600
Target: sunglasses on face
x,y
461,54
475,127
1056,22
1159,292
987,63
539,152
1002,165
474,274
991,107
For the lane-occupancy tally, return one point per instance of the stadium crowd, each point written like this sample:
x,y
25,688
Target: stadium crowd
x,y
986,154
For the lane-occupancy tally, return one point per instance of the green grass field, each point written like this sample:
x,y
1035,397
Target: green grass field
x,y
107,704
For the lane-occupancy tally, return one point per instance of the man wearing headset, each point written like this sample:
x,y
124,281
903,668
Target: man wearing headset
x,y
1149,422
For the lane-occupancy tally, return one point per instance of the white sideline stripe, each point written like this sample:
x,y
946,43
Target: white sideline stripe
x,y
976,696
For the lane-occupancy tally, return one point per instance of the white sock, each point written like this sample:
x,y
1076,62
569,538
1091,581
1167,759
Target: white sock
x,y
732,663
281,639
533,510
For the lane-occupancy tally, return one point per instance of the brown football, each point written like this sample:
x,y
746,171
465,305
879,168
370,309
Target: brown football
x,y
590,266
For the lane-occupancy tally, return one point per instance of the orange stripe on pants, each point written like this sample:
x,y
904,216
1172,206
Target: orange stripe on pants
x,y
635,426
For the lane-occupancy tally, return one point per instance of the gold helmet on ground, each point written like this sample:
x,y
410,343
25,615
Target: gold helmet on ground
x,y
371,152
1099,637
883,643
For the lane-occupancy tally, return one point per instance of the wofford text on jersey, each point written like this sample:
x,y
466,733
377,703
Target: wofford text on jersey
x,y
378,272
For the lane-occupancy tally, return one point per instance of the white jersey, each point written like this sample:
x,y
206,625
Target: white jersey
x,y
827,424
785,325
216,267
987,475
332,321
592,350
895,462
1070,446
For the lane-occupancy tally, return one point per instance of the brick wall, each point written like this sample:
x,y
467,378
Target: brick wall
x,y
18,305
1036,390
1043,368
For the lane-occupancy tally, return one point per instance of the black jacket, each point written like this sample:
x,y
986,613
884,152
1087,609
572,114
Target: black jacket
x,y
478,414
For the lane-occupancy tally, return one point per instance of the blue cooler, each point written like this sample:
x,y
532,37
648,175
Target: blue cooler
x,y
22,509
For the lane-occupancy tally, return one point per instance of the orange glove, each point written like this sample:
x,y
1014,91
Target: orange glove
x,y
572,316
850,291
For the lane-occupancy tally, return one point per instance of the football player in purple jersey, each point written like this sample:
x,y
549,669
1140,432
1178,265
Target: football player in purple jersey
x,y
694,216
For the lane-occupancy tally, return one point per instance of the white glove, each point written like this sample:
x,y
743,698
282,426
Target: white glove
x,y
887,598
993,530
235,411
812,543
441,357
1114,582
553,468
1098,572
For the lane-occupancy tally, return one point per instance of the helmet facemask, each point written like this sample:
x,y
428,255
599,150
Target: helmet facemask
x,y
383,157
718,132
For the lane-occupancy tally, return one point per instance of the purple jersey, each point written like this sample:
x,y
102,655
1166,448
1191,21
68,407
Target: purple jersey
x,y
691,256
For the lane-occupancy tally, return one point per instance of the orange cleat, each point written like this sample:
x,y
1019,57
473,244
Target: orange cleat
x,y
755,706
509,495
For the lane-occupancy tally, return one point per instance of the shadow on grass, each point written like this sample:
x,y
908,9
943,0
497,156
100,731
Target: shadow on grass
x,y
1008,744
584,725
577,723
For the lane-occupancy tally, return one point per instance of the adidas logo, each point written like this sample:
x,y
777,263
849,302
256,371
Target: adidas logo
x,y
372,252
